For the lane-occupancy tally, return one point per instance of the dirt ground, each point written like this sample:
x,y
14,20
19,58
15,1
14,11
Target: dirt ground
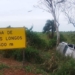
x,y
14,72
15,67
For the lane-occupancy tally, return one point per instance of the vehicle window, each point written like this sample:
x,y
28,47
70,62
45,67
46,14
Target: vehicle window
x,y
74,47
64,51
70,45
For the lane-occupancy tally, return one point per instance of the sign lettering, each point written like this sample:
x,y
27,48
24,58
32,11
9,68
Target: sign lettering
x,y
1,39
3,44
1,32
12,38
11,44
9,32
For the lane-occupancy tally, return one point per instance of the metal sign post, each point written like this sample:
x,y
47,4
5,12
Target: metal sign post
x,y
23,57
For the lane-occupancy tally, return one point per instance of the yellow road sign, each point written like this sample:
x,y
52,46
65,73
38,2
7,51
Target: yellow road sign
x,y
12,38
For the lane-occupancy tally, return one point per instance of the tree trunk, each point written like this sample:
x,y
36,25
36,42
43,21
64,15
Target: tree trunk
x,y
57,31
55,24
52,32
58,35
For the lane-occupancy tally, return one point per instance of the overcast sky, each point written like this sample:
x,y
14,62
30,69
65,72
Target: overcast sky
x,y
15,13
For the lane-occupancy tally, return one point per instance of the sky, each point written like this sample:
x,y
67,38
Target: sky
x,y
16,13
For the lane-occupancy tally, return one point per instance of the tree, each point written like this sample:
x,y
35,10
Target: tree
x,y
9,26
69,11
49,27
53,7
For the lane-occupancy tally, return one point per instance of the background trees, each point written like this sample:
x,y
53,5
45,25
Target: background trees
x,y
56,7
49,27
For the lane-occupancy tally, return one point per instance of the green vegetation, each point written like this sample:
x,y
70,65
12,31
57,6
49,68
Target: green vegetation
x,y
34,40
49,27
69,36
42,56
2,66
32,68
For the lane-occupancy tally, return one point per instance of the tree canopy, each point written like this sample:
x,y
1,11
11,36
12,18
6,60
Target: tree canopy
x,y
49,27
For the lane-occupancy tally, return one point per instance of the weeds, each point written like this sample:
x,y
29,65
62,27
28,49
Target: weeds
x,y
35,70
2,66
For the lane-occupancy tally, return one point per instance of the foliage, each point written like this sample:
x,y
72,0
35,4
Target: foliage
x,y
28,68
7,53
72,39
51,64
32,54
18,55
54,7
34,40
52,43
62,38
59,65
70,36
49,26
32,68
2,66
66,68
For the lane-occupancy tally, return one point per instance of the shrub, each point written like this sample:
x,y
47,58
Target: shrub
x,y
52,43
29,68
18,55
32,54
62,38
2,66
51,64
67,68
7,53
34,40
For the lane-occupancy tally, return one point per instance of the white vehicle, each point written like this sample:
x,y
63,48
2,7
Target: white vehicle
x,y
66,49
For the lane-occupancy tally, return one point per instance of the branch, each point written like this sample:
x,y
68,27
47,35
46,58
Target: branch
x,y
42,9
49,2
60,1
70,20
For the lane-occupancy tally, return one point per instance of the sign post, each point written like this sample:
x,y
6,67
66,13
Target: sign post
x,y
23,57
12,38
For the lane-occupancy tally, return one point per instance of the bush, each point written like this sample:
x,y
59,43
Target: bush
x,y
62,38
7,53
2,66
52,43
34,40
32,54
67,68
18,55
51,64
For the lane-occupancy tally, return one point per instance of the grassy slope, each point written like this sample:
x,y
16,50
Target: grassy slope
x,y
68,36
43,36
56,59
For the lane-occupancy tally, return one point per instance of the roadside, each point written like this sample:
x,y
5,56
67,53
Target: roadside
x,y
10,66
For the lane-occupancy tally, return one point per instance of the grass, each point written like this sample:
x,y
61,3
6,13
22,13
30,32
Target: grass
x,y
34,69
52,65
43,36
1,73
2,66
